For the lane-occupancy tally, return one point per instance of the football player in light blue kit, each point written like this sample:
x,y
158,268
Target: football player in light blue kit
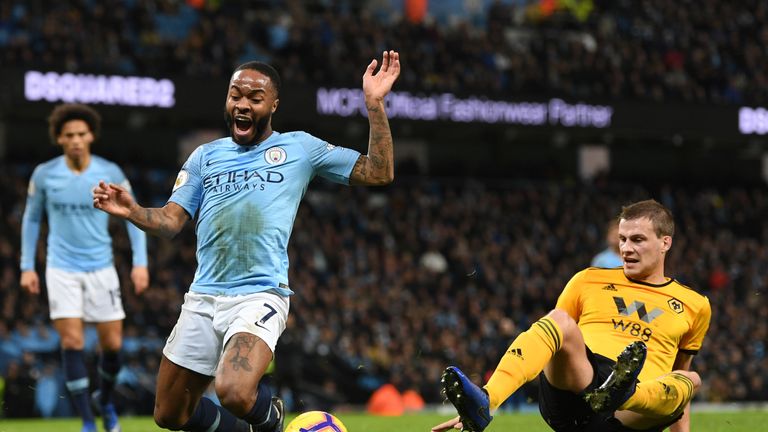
x,y
80,276
245,191
609,257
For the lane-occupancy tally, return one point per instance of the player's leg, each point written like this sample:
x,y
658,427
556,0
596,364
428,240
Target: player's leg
x,y
110,362
252,327
659,401
65,300
569,368
105,309
179,404
239,385
187,368
555,339
73,361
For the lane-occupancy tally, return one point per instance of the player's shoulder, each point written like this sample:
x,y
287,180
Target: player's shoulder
x,y
217,146
689,294
299,137
593,276
602,273
102,166
50,164
224,142
99,161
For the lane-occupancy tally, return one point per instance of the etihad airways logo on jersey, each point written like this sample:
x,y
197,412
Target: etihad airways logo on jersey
x,y
241,180
69,209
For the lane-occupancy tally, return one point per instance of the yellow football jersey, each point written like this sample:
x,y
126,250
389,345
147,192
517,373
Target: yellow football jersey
x,y
613,311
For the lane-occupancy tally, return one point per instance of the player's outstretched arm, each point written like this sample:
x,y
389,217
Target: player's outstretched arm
x,y
117,201
378,167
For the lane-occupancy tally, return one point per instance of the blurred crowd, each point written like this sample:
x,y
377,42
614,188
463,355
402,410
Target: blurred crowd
x,y
394,284
656,50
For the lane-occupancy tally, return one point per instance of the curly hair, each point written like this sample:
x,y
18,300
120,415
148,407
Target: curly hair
x,y
67,112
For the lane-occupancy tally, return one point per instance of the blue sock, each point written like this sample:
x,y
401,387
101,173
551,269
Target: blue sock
x,y
77,382
109,367
262,416
210,417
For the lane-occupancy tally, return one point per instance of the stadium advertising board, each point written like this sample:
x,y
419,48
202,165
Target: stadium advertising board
x,y
99,89
753,121
186,102
345,102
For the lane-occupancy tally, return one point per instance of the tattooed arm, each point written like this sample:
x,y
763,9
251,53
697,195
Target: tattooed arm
x,y
115,200
378,167
164,222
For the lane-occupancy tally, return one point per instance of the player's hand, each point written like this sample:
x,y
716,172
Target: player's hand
x,y
140,279
113,199
30,282
454,423
376,86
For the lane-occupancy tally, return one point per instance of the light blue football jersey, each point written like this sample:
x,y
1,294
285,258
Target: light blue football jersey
x,y
607,259
246,200
78,239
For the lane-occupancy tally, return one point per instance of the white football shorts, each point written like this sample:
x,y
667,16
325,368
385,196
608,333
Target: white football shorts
x,y
207,322
92,296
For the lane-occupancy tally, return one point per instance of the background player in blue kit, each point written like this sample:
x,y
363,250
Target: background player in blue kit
x,y
80,268
245,190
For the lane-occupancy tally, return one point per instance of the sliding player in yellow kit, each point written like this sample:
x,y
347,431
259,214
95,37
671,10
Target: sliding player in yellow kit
x,y
615,352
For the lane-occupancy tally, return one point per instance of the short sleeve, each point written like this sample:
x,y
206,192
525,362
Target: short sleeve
x,y
329,161
693,339
187,190
570,298
118,177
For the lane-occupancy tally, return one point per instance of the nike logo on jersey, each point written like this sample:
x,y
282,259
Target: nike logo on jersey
x,y
260,326
210,162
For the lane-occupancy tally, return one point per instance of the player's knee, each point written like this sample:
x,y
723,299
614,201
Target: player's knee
x,y
167,420
112,343
236,399
693,376
564,321
72,343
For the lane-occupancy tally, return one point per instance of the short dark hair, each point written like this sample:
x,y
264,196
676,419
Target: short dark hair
x,y
660,216
68,112
266,70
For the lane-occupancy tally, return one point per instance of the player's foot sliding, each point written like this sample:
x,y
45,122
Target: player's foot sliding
x,y
272,425
621,383
280,411
470,401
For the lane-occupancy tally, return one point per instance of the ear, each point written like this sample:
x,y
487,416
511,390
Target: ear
x,y
274,105
666,243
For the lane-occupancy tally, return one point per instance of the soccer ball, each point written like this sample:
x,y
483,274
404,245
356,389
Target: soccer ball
x,y
316,421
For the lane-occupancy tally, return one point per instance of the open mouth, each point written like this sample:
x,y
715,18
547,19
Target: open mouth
x,y
243,124
630,260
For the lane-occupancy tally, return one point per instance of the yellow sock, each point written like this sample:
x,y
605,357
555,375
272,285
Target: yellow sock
x,y
667,395
524,359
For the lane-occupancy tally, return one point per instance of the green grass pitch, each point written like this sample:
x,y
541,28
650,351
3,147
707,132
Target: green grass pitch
x,y
740,421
